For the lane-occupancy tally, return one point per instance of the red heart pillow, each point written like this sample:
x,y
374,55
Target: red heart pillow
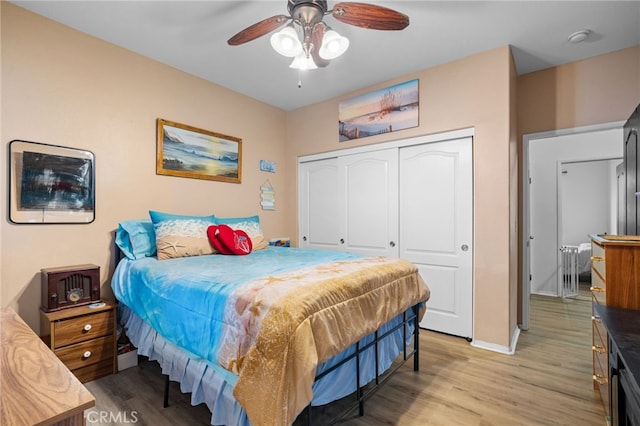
x,y
212,232
228,241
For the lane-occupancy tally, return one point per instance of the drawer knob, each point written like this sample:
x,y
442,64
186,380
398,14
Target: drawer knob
x,y
87,327
599,379
87,354
599,349
597,289
597,258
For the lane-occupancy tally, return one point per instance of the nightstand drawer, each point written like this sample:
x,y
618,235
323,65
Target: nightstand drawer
x,y
94,371
80,329
87,353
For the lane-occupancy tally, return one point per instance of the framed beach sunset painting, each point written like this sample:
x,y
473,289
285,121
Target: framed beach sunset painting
x,y
382,111
187,151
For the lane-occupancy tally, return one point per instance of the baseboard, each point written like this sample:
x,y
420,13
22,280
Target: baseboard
x,y
507,350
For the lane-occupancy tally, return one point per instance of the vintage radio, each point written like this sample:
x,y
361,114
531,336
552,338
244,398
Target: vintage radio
x,y
69,286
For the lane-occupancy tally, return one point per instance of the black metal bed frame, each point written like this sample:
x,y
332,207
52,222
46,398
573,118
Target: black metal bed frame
x,y
361,393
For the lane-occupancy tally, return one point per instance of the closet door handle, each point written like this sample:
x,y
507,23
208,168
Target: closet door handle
x,y
341,240
392,244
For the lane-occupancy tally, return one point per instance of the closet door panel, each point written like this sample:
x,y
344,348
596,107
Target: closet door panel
x,y
320,210
370,200
436,220
428,204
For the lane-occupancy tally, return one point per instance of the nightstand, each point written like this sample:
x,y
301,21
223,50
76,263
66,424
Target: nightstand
x,y
83,338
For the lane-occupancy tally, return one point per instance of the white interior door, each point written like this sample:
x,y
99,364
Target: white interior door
x,y
436,229
370,202
319,205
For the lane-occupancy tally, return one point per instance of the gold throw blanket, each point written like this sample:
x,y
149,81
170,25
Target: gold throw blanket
x,y
297,320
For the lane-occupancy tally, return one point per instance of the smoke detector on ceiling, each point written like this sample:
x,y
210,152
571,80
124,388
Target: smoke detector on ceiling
x,y
579,36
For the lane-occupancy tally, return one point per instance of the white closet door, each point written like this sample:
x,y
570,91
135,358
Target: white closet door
x,y
436,222
369,200
319,197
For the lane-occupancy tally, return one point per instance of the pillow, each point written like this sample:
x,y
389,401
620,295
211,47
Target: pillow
x,y
136,238
250,225
215,241
180,235
228,241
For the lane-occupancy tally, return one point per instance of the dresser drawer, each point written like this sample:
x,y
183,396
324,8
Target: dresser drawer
x,y
599,333
600,354
597,260
601,377
87,353
80,329
598,288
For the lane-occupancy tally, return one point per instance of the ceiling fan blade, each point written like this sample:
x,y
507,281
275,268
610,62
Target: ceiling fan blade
x,y
316,39
370,16
258,29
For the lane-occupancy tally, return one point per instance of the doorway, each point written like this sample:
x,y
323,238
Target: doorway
x,y
542,154
580,183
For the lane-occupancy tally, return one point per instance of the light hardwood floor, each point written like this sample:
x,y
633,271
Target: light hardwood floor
x,y
547,382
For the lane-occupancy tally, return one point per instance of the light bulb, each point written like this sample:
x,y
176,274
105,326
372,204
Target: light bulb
x,y
333,45
286,42
303,62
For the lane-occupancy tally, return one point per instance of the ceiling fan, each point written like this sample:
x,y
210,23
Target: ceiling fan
x,y
319,43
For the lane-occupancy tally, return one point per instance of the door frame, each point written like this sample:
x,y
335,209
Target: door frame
x,y
526,204
417,140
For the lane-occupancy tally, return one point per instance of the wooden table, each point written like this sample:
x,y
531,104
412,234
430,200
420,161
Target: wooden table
x,y
35,386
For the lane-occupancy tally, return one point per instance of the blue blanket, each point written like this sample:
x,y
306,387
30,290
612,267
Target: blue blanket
x,y
178,296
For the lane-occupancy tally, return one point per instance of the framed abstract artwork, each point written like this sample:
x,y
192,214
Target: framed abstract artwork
x,y
50,183
187,151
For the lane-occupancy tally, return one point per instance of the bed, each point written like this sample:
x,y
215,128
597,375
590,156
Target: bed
x,y
248,335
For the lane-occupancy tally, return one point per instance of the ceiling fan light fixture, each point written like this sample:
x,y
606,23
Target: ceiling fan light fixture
x,y
303,62
286,42
333,45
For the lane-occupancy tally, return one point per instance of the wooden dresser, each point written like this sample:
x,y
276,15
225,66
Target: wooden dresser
x,y
615,282
624,363
37,388
84,338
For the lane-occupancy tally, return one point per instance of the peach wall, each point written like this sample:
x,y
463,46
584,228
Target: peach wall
x,y
514,287
63,87
472,92
602,89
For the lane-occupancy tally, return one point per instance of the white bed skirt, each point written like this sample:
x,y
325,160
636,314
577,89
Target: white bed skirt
x,y
206,381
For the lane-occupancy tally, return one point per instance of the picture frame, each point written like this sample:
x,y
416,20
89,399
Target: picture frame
x,y
187,151
382,111
50,184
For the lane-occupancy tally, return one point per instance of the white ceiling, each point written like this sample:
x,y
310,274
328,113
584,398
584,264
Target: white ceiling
x,y
192,36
